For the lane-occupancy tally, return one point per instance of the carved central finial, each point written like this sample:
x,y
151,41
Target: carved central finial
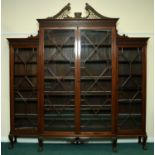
x,y
77,14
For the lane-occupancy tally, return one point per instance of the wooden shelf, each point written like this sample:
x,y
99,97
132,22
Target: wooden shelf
x,y
68,93
127,114
26,128
25,89
128,89
59,78
129,100
72,62
59,127
95,93
96,77
63,93
95,105
22,115
27,63
58,105
73,46
23,75
98,61
127,62
83,115
72,115
81,78
72,108
96,128
58,62
59,119
26,99
83,45
127,75
55,115
58,46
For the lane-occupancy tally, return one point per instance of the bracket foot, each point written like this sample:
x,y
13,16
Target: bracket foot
x,y
114,144
13,140
144,139
77,140
40,143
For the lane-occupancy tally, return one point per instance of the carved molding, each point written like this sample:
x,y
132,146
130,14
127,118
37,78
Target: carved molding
x,y
122,36
91,13
31,36
63,13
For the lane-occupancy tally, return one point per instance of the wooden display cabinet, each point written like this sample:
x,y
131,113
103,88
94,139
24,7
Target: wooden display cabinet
x,y
131,110
78,78
24,107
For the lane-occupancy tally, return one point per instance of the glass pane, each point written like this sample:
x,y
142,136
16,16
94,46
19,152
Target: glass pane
x,y
59,80
96,78
25,88
130,91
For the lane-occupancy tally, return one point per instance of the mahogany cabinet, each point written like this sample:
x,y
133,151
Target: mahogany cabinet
x,y
131,101
24,99
78,78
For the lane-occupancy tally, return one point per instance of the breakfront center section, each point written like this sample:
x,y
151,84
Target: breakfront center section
x,y
77,80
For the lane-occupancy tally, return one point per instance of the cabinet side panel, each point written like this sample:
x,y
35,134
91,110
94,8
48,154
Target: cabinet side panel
x,y
11,88
144,58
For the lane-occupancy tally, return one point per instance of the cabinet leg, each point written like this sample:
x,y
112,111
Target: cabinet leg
x,y
13,140
114,144
144,139
40,142
139,140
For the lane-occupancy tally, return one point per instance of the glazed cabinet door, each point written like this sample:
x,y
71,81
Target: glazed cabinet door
x,y
59,80
96,80
131,89
24,96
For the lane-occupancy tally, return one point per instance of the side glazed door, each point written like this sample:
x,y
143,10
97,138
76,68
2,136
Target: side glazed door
x,y
131,100
24,87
